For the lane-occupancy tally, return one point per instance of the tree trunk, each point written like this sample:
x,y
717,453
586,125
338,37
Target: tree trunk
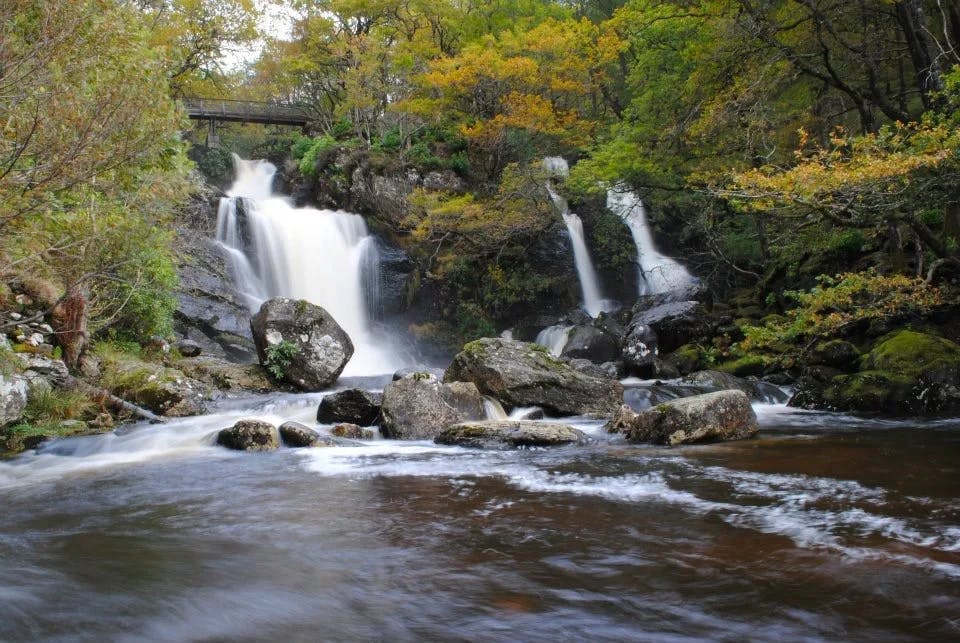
x,y
69,319
913,22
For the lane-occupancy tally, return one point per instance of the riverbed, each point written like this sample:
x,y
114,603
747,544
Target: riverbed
x,y
825,527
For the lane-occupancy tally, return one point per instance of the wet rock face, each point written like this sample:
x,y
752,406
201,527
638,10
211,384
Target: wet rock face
x,y
322,348
250,435
396,271
420,407
511,434
594,344
352,406
674,324
640,347
712,417
717,381
522,374
295,435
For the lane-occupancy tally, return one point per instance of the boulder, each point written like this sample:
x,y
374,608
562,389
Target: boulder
x,y
250,435
712,417
675,324
607,370
227,376
353,406
13,398
352,431
511,434
905,373
835,354
321,348
639,347
189,348
718,381
295,434
591,343
53,372
522,374
419,407
165,391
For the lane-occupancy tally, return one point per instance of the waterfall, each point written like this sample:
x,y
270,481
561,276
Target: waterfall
x,y
325,257
658,273
593,301
553,338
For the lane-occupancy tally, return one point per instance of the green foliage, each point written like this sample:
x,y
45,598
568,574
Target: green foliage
x,y
47,406
837,304
319,150
279,357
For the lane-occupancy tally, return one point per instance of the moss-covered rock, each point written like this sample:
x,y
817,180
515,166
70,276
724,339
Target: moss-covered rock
x,y
687,359
746,365
905,373
837,354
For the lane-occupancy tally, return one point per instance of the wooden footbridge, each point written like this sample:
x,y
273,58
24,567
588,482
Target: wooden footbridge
x,y
216,110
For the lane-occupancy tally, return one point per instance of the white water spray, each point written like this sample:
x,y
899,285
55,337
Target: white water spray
x,y
658,273
325,257
554,338
593,301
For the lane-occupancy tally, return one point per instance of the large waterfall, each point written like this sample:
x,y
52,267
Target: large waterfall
x,y
326,257
658,273
593,301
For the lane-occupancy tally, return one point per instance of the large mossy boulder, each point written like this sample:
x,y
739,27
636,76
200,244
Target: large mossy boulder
x,y
711,417
351,406
250,435
163,390
905,373
420,407
318,348
511,434
523,374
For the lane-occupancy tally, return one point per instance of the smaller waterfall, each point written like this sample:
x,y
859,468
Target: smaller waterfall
x,y
658,273
493,409
593,301
554,338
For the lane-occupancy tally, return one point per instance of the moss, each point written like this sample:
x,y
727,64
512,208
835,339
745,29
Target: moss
x,y
870,392
911,353
300,308
746,365
687,359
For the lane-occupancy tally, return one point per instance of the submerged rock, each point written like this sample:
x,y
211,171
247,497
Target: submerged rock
x,y
250,435
712,417
511,434
419,407
354,406
352,431
522,374
321,349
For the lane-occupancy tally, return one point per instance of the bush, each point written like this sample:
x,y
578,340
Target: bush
x,y
278,358
319,149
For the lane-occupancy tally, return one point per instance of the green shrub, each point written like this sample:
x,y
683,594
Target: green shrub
x,y
318,151
49,406
278,358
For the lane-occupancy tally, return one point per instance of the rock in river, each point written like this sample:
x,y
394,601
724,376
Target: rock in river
x,y
712,417
250,435
353,406
13,398
322,348
523,374
419,407
511,434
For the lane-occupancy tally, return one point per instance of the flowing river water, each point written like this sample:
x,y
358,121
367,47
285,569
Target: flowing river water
x,y
824,528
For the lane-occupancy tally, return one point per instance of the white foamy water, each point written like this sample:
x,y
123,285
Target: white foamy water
x,y
658,273
554,338
326,257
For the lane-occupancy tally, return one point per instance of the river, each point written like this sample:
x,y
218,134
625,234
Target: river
x,y
825,527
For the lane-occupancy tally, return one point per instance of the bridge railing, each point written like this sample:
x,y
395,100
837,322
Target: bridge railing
x,y
227,108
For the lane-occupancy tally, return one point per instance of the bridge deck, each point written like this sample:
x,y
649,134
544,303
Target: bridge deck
x,y
240,111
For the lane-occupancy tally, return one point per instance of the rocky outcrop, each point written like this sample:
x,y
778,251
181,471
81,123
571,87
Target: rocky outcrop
x,y
511,434
165,391
591,343
250,435
674,324
420,407
712,417
905,373
227,376
522,374
13,398
352,406
320,348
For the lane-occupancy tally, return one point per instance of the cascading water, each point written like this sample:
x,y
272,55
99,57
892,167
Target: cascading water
x,y
554,338
593,301
326,257
658,273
